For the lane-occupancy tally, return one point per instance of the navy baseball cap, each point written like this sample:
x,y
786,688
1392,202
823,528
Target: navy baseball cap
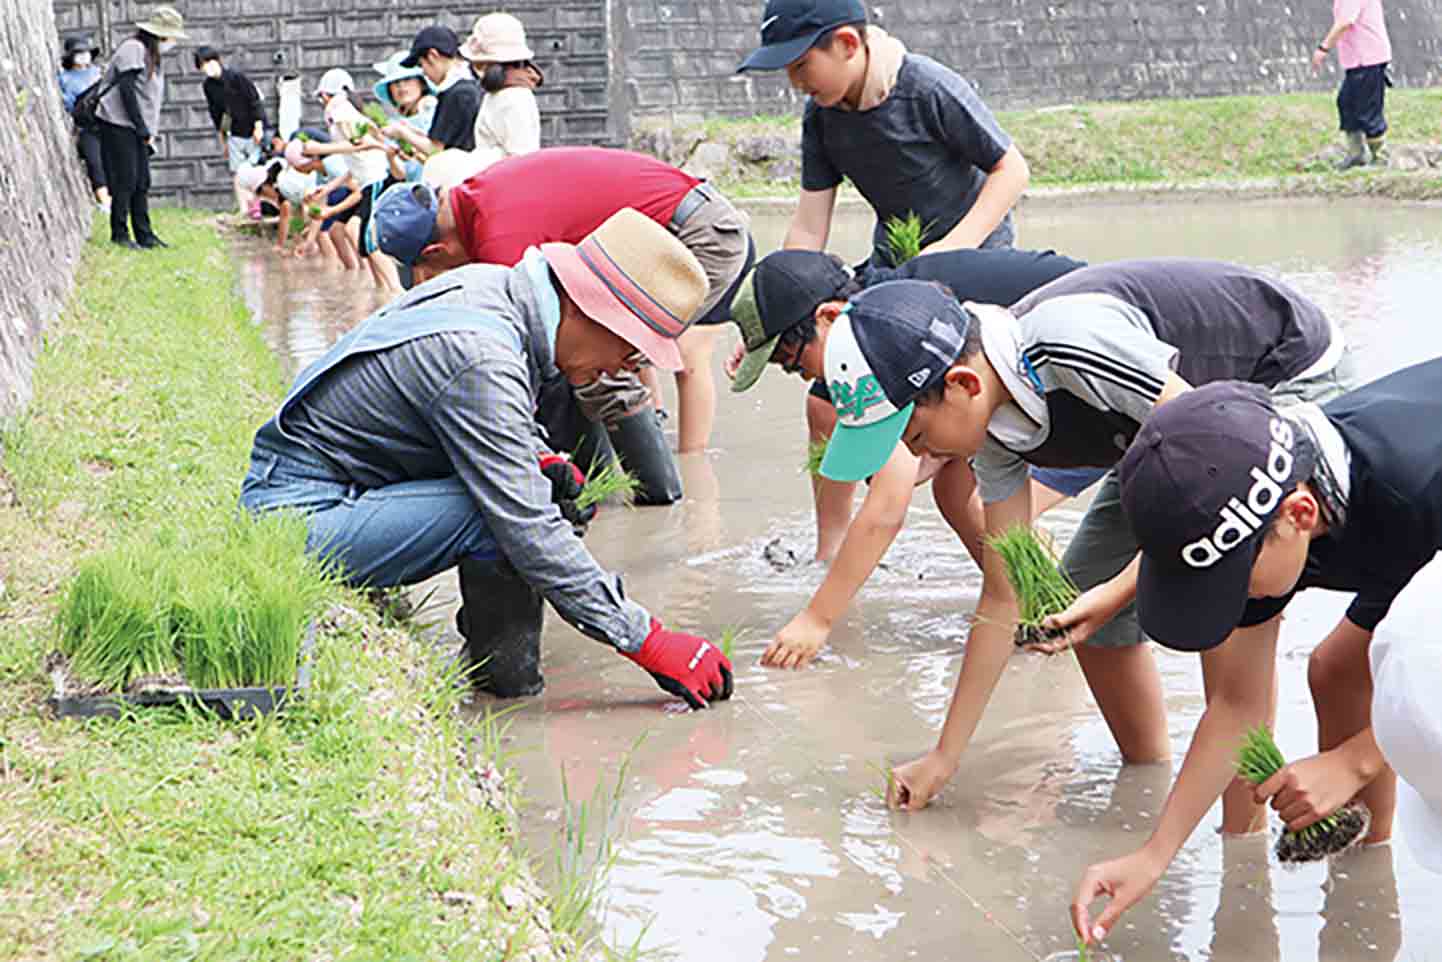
x,y
403,221
891,343
789,28
439,38
1200,483
787,285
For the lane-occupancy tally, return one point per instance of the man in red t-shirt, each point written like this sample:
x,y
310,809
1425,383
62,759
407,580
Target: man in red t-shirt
x,y
560,195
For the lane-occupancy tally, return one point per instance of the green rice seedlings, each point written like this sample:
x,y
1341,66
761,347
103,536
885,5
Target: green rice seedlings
x,y
606,481
1258,759
903,237
302,136
1042,588
727,642
888,780
1081,949
815,454
377,114
315,211
406,149
362,128
114,622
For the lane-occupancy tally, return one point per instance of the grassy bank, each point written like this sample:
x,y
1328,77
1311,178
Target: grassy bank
x,y
366,822
1163,142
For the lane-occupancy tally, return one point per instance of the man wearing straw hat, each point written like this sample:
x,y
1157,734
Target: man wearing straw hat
x,y
412,447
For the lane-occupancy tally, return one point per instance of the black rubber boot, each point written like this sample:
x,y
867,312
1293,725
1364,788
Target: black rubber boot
x,y
639,442
500,619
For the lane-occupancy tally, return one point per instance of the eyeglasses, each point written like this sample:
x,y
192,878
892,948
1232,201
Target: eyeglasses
x,y
791,346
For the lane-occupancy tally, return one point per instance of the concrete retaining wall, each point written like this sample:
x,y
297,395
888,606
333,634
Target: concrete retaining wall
x,y
45,207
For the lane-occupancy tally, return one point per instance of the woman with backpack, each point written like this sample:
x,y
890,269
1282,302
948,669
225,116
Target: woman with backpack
x,y
78,73
128,114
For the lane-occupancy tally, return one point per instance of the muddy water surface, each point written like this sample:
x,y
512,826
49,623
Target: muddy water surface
x,y
756,831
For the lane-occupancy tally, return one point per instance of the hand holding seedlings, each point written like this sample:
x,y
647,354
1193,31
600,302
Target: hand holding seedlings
x,y
1085,616
1124,880
1307,791
1258,761
1042,589
914,784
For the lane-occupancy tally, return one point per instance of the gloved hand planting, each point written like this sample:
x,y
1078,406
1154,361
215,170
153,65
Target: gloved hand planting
x,y
684,665
567,482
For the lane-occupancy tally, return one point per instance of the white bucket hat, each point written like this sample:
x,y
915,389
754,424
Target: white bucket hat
x,y
497,38
1406,661
334,81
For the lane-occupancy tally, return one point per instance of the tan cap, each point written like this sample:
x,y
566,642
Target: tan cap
x,y
164,22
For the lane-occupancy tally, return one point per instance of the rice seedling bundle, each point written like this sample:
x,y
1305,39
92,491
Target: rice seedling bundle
x,y
608,480
220,608
815,454
1042,588
377,114
903,237
314,210
1258,759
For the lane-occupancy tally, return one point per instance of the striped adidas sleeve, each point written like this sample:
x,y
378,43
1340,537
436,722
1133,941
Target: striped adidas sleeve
x,y
1101,350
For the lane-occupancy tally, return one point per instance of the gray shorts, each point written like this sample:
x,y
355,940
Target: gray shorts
x,y
1104,544
241,151
717,233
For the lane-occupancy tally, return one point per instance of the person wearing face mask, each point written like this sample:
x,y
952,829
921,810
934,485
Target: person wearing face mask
x,y
78,73
236,111
128,115
509,121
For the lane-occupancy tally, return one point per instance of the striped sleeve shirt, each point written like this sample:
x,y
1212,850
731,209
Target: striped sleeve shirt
x,y
1083,370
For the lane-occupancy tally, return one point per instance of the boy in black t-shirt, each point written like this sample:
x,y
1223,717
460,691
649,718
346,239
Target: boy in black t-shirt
x,y
1238,506
908,132
437,51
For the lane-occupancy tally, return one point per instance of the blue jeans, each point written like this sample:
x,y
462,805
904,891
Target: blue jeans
x,y
399,534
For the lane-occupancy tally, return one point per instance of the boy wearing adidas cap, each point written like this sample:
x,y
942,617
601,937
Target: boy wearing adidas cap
x,y
798,295
1237,506
1063,380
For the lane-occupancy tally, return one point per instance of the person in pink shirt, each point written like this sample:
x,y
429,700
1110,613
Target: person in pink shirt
x,y
1359,33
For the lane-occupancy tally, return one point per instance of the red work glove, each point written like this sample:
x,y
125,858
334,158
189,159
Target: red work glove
x,y
685,665
567,481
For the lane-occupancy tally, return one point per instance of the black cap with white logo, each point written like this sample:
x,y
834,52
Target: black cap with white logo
x,y
1200,483
789,28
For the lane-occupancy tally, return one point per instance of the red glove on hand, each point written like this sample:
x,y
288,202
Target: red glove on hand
x,y
685,665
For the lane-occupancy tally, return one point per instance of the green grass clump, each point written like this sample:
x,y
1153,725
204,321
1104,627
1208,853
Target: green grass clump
x,y
815,454
903,237
727,642
1042,589
222,609
606,481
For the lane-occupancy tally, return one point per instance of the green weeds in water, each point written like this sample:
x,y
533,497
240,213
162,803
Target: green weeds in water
x,y
727,643
608,481
1042,588
585,853
904,236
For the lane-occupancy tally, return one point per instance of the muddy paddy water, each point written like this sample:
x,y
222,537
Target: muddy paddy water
x,y
756,830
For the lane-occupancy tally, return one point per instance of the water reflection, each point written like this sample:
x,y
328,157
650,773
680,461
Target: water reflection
x,y
755,831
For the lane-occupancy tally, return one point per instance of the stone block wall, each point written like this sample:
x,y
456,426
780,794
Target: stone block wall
x,y
680,55
268,39
45,206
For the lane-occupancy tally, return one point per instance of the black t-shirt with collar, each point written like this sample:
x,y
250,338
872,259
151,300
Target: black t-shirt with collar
x,y
1393,432
454,123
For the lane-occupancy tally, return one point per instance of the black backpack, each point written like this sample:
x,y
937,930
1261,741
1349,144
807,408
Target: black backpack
x,y
87,105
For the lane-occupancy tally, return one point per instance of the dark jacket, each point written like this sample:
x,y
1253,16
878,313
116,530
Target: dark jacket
x,y
232,93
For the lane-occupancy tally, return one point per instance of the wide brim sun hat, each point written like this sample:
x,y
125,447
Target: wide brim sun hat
x,y
497,38
165,23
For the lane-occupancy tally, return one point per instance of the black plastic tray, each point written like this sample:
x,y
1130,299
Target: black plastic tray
x,y
229,703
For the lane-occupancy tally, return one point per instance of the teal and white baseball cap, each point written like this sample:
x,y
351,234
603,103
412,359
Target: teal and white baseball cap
x,y
891,343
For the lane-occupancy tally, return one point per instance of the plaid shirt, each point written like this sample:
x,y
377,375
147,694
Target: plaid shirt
x,y
463,403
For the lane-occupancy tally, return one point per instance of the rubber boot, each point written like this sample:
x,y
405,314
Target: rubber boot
x,y
500,619
1356,151
640,444
1378,147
